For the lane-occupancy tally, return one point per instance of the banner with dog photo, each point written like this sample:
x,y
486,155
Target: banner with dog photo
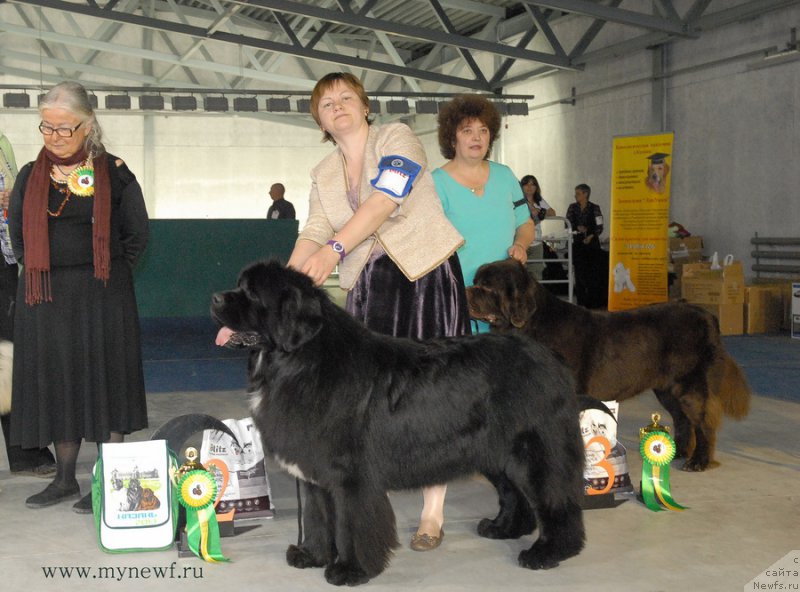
x,y
640,193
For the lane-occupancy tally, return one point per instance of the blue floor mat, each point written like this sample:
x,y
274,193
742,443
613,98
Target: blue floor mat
x,y
179,354
771,363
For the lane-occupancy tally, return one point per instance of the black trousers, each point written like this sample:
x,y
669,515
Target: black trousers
x,y
591,275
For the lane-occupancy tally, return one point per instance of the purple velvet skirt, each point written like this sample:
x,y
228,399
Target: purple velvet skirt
x,y
433,306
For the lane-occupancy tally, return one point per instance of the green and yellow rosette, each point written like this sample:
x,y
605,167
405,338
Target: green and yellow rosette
x,y
657,449
196,492
81,181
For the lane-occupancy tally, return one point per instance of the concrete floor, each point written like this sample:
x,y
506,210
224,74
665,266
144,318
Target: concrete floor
x,y
742,518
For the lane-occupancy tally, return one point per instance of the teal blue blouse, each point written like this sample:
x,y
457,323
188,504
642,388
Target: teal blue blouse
x,y
487,223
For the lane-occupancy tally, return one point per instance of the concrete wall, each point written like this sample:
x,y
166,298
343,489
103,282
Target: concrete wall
x,y
198,166
734,167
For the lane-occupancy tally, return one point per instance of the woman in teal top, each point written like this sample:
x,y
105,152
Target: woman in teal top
x,y
481,198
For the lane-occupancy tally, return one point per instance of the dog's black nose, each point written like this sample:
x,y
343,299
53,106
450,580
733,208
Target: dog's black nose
x,y
217,298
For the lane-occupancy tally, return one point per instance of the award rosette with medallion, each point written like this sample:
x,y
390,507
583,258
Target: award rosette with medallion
x,y
81,181
197,491
657,449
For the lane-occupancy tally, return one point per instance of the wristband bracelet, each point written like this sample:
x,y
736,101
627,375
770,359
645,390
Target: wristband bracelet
x,y
338,248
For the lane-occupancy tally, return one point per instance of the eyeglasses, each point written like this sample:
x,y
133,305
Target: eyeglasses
x,y
64,132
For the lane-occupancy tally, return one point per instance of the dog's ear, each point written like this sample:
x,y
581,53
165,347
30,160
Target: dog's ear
x,y
518,302
299,321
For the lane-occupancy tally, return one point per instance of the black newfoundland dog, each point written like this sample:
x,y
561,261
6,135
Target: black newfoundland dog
x,y
673,348
354,414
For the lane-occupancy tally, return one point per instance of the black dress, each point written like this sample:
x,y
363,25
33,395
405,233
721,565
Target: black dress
x,y
77,359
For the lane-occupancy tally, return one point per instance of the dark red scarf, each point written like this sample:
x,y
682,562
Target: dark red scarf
x,y
35,223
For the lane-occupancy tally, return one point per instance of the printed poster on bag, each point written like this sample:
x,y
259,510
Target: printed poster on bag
x,y
135,489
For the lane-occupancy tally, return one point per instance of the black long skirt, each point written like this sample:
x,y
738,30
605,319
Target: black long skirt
x,y
77,360
435,305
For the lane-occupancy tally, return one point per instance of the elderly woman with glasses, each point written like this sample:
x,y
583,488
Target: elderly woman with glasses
x,y
78,222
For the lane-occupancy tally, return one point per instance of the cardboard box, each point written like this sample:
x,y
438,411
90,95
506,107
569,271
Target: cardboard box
x,y
686,250
786,298
702,285
730,316
763,308
796,310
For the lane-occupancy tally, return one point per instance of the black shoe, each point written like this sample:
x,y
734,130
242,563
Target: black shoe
x,y
83,505
53,494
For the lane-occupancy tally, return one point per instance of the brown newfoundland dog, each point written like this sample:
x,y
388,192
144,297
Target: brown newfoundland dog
x,y
355,414
673,349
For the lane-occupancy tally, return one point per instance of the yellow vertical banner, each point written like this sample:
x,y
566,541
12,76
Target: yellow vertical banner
x,y
640,189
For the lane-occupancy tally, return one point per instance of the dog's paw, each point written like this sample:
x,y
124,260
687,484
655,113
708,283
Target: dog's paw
x,y
532,559
489,529
342,574
547,555
301,558
695,466
692,467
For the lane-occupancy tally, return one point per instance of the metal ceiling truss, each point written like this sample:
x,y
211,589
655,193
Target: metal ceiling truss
x,y
407,47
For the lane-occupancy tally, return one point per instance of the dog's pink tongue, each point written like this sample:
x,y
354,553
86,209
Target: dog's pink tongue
x,y
223,336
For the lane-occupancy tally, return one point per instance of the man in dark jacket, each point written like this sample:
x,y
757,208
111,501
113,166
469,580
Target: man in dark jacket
x,y
280,208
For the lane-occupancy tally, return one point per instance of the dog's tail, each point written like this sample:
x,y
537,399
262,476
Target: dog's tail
x,y
732,388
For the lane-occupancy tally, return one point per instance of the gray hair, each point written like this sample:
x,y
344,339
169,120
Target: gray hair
x,y
73,97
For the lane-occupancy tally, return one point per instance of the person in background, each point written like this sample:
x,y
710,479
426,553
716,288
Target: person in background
x,y
589,259
480,197
586,218
538,207
280,208
78,223
38,462
373,211
539,210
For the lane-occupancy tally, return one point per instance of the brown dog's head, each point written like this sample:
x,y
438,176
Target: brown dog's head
x,y
503,295
278,305
149,500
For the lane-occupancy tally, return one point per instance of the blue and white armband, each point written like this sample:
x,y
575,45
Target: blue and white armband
x,y
396,175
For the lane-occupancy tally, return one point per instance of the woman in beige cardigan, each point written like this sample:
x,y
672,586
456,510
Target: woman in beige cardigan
x,y
374,212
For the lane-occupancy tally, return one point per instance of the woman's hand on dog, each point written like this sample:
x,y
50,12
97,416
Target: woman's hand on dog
x,y
320,265
518,252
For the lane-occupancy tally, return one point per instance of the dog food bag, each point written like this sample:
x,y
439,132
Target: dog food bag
x,y
604,453
248,489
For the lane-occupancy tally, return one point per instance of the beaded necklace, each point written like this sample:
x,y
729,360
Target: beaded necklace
x,y
61,187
